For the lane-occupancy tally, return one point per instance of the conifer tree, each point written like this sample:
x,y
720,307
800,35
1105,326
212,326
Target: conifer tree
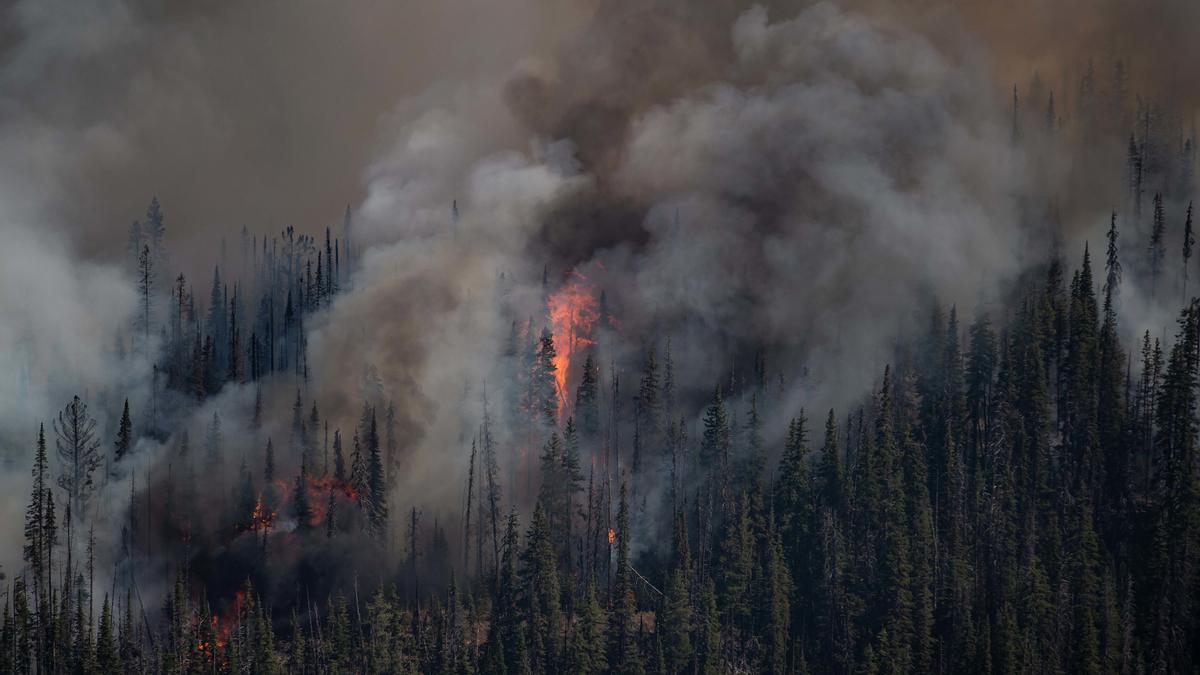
x,y
212,440
108,658
545,382
651,422
78,453
792,500
586,651
539,580
339,458
35,550
376,486
1157,242
269,463
708,632
301,508
1189,241
624,655
124,440
587,400
505,649
830,469
737,571
895,598
775,604
678,614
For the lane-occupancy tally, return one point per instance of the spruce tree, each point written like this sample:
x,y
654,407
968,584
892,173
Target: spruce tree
x,y
624,655
540,595
79,454
108,658
124,440
678,614
35,552
376,486
301,508
587,399
774,602
505,649
545,382
586,651
1157,237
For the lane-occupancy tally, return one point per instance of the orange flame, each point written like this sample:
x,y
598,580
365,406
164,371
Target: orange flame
x,y
612,536
573,312
322,485
222,627
261,518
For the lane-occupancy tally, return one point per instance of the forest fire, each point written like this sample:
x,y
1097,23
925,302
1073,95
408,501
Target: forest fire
x,y
222,626
322,485
573,312
601,345
318,489
261,518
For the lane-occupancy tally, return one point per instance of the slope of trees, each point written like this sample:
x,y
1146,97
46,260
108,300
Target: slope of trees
x,y
1019,493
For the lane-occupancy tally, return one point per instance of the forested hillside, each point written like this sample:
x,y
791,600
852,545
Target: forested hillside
x,y
636,438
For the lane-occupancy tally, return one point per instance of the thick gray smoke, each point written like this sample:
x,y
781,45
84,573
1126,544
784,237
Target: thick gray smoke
x,y
812,201
803,180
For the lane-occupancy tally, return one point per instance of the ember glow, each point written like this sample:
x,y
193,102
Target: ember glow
x,y
320,486
573,313
261,518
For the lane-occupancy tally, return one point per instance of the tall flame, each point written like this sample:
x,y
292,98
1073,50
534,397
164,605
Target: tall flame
x,y
573,312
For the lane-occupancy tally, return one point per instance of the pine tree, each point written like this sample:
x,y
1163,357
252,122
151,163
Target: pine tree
x,y
895,593
269,463
544,381
376,486
358,474
339,460
108,658
1080,417
572,477
301,508
1157,236
505,648
391,462
20,631
649,406
587,400
708,632
623,653
792,500
212,441
714,448
736,568
145,290
678,614
35,551
79,454
124,440
775,604
585,653
830,469
540,595
1189,241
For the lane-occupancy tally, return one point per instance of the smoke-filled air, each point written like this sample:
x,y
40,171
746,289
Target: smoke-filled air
x,y
591,336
